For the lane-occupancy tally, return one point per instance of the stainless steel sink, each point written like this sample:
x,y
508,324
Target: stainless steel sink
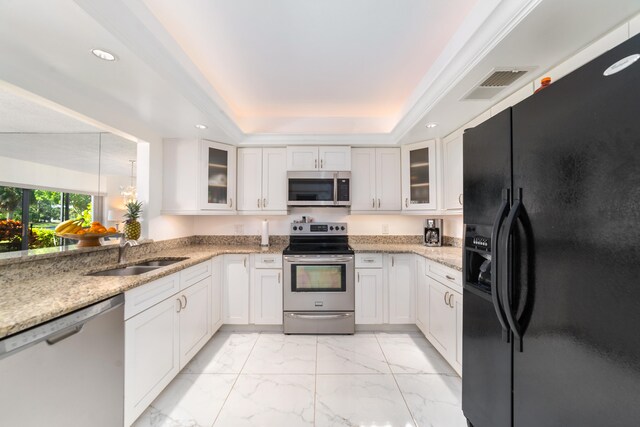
x,y
161,262
132,270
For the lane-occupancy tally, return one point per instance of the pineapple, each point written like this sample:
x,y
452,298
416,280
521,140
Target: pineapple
x,y
131,225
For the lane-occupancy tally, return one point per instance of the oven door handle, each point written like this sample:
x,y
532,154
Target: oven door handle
x,y
320,316
315,260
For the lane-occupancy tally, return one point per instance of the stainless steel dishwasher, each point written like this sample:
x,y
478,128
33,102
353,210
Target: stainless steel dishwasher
x,y
66,372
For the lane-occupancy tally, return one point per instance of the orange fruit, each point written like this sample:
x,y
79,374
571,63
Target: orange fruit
x,y
111,229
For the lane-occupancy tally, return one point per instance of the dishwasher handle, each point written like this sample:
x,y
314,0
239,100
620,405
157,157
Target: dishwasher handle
x,y
58,329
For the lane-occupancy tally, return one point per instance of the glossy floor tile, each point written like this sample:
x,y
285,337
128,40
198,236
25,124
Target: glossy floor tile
x,y
267,379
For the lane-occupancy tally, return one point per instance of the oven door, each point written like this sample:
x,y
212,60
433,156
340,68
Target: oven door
x,y
319,283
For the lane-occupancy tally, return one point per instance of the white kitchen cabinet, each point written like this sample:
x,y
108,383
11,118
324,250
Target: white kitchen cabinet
x,y
262,180
328,158
452,172
267,296
195,319
419,167
369,296
422,298
216,294
198,176
401,270
236,290
152,355
375,176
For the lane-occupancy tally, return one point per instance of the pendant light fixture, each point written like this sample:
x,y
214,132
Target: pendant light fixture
x,y
129,193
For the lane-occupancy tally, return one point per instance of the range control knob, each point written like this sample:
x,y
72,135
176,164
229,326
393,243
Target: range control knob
x,y
331,228
295,228
342,228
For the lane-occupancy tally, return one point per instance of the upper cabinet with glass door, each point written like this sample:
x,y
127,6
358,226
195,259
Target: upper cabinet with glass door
x,y
199,176
419,176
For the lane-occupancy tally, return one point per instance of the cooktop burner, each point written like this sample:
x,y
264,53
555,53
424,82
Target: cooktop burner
x,y
318,238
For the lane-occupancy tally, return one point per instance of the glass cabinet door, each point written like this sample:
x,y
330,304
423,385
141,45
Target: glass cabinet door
x,y
220,177
419,176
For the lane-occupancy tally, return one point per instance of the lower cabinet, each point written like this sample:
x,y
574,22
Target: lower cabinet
x,y
401,270
369,296
235,290
267,296
216,293
439,316
167,322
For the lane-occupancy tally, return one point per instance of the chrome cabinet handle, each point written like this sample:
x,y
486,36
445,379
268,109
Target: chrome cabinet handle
x,y
445,298
315,164
53,340
406,202
264,203
244,262
279,277
450,303
393,261
358,277
230,202
449,277
258,202
319,316
321,163
460,199
373,203
368,260
269,261
185,301
179,308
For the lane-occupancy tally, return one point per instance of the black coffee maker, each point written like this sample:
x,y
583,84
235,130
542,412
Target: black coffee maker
x,y
433,232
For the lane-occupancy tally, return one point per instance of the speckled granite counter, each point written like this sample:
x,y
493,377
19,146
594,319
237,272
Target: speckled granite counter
x,y
446,255
26,302
30,295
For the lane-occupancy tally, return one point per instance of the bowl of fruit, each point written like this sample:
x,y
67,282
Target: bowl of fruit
x,y
86,236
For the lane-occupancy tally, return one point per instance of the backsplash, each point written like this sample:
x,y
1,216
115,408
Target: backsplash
x,y
385,239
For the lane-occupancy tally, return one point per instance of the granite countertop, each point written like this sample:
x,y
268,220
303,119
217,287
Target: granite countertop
x,y
29,302
31,299
446,255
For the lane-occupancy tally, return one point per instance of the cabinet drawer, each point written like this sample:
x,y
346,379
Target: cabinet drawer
x,y
368,260
268,260
446,275
139,299
192,275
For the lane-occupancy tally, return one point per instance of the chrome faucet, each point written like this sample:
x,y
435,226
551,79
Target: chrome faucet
x,y
123,244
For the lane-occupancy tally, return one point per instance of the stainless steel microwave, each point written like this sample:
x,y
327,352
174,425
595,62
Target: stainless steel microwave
x,y
319,188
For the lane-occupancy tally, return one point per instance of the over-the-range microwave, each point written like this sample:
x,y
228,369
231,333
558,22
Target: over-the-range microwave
x,y
319,188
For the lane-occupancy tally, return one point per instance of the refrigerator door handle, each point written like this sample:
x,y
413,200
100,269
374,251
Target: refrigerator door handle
x,y
502,213
505,268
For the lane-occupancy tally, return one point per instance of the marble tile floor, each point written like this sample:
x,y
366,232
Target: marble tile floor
x,y
268,379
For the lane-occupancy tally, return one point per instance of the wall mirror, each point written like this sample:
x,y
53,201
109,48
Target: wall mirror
x,y
55,167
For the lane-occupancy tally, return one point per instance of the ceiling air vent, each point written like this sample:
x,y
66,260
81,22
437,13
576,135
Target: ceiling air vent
x,y
495,82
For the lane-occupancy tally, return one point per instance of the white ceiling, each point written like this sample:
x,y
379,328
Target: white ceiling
x,y
283,71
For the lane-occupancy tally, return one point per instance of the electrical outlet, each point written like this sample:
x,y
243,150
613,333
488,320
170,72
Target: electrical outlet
x,y
239,228
385,228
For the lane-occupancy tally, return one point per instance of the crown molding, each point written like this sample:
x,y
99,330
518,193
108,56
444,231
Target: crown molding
x,y
304,139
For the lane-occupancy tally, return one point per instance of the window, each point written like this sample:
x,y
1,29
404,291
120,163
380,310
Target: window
x,y
42,211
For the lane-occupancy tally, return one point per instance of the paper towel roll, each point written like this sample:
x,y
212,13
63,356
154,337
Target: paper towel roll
x,y
265,233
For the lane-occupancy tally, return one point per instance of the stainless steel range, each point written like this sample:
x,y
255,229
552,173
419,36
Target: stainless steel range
x,y
319,280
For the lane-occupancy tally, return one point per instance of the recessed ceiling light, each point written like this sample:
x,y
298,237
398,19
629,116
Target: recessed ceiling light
x,y
431,125
103,54
201,126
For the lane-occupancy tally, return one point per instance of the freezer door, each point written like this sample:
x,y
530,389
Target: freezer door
x,y
576,156
487,168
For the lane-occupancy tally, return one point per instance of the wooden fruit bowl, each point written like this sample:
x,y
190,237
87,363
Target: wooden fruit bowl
x,y
87,239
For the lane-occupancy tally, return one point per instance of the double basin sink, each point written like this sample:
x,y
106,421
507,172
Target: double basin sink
x,y
139,268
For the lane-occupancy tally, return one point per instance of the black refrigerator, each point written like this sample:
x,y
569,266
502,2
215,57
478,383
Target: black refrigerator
x,y
551,326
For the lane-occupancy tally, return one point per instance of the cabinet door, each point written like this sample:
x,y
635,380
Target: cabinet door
x,y
457,303
195,319
302,158
401,289
419,176
452,148
216,294
363,179
334,158
369,304
422,298
218,182
151,355
274,179
267,299
441,327
249,179
236,290
388,179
